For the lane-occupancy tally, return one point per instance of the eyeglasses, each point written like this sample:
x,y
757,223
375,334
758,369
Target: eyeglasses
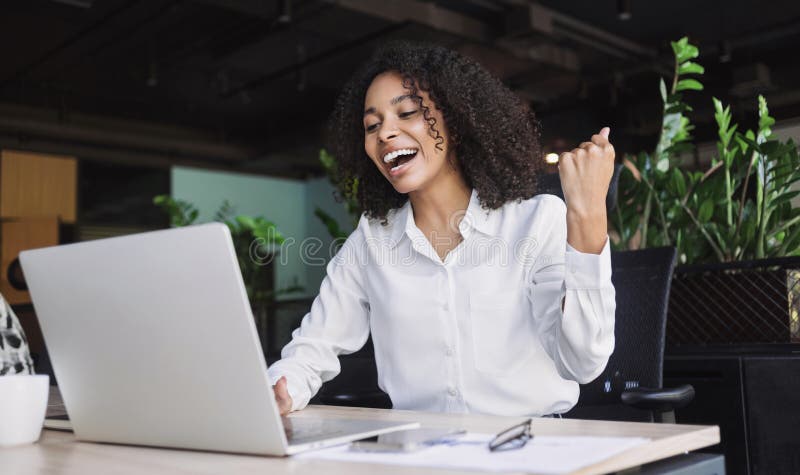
x,y
512,438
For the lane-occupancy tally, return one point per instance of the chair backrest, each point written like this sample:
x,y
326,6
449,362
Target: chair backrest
x,y
642,281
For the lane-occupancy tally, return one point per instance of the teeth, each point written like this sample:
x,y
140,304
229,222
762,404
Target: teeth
x,y
391,156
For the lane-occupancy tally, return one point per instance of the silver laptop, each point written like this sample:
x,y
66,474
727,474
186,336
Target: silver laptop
x,y
152,341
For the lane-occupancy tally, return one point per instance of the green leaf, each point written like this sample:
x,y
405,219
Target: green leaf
x,y
663,89
784,198
674,98
679,46
748,139
687,52
690,68
706,211
726,138
689,84
662,165
679,148
327,160
246,221
678,182
678,108
333,226
764,119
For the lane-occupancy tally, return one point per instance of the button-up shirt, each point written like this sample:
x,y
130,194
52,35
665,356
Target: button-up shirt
x,y
508,323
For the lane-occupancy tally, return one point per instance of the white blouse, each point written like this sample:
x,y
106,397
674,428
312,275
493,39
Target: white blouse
x,y
482,331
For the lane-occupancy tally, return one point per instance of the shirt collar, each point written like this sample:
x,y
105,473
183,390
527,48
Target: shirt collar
x,y
475,218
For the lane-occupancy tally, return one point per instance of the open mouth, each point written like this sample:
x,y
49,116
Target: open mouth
x,y
399,158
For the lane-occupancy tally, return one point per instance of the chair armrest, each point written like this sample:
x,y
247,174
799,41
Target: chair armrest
x,y
613,187
659,400
377,399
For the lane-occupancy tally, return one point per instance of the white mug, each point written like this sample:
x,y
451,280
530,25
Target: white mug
x,y
23,404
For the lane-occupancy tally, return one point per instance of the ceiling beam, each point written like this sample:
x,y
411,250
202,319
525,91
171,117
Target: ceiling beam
x,y
103,132
532,17
326,55
423,13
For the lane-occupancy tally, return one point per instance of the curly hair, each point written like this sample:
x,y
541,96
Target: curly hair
x,y
495,135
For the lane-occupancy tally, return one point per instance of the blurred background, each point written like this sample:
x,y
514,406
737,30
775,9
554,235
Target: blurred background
x,y
213,100
217,107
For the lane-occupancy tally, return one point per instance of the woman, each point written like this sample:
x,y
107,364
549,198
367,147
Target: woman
x,y
479,297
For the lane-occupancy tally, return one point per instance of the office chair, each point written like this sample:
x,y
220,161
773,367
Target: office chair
x,y
357,384
630,387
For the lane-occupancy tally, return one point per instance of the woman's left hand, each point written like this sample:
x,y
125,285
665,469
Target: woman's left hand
x,y
585,174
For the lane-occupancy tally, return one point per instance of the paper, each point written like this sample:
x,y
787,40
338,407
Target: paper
x,y
541,455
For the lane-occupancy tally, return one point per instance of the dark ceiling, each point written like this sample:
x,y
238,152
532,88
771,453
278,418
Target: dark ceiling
x,y
247,84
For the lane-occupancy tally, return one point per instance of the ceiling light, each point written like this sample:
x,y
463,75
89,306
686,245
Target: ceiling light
x,y
551,158
152,74
284,11
725,51
624,9
76,3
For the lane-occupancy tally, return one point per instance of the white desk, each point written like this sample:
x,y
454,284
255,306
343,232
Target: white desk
x,y
59,452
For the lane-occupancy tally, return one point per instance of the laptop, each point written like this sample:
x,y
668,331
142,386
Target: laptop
x,y
152,341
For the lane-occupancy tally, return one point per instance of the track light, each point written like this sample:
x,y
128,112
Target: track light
x,y
284,11
725,51
624,9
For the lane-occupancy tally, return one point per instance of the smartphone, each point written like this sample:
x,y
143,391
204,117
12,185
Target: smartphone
x,y
404,440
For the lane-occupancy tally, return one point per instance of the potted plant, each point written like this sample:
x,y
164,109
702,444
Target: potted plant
x,y
734,225
256,241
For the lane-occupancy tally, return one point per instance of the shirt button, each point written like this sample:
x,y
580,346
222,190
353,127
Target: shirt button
x,y
449,351
453,392
445,306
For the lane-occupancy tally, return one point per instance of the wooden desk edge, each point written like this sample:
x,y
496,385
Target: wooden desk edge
x,y
659,449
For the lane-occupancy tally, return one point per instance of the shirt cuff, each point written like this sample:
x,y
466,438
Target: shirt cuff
x,y
300,396
587,271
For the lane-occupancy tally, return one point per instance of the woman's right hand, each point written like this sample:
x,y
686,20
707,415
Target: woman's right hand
x,y
282,396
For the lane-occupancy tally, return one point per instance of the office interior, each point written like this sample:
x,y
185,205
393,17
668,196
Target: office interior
x,y
119,117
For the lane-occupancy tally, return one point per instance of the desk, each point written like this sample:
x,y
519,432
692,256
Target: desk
x,y
59,452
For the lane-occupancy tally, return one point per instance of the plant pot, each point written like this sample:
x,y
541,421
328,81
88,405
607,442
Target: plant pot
x,y
738,302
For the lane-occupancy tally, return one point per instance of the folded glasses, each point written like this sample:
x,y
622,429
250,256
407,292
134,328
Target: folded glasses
x,y
512,438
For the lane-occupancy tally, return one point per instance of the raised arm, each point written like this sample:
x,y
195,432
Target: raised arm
x,y
571,291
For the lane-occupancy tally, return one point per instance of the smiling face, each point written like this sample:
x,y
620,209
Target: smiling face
x,y
397,137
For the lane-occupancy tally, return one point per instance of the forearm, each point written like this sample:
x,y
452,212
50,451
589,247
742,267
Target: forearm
x,y
587,230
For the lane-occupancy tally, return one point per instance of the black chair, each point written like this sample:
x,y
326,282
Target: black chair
x,y
630,387
357,384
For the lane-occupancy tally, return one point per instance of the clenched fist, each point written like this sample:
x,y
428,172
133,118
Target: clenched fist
x,y
585,174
